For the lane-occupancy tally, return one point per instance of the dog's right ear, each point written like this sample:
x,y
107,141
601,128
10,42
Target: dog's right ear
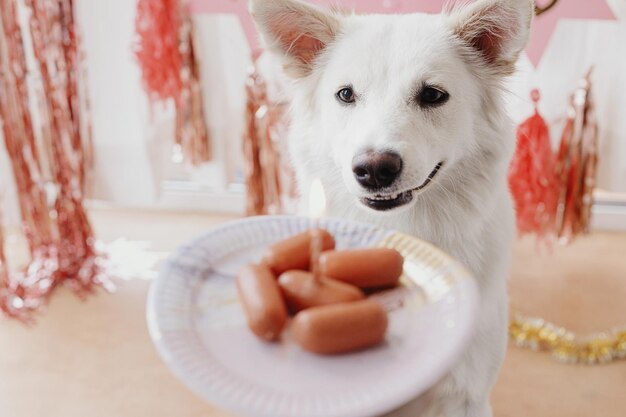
x,y
296,31
497,30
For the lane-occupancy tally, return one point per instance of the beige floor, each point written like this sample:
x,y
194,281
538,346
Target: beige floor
x,y
95,358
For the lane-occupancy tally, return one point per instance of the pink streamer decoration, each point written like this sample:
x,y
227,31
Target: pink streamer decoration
x,y
553,194
157,51
49,166
271,188
169,67
577,161
532,177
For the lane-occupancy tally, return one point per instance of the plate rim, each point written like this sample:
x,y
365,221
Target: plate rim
x,y
390,403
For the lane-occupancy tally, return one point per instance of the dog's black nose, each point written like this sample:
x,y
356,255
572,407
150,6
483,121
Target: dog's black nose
x,y
375,170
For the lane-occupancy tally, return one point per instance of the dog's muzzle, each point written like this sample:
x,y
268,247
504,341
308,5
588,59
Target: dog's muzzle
x,y
391,201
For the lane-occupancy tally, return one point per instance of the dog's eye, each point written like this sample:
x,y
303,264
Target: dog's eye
x,y
431,97
346,95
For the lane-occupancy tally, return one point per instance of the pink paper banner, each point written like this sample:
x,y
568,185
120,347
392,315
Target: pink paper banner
x,y
240,9
543,26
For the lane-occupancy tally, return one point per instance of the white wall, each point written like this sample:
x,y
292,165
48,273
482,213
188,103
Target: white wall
x,y
125,152
224,64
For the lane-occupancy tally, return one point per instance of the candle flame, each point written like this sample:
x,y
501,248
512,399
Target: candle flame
x,y
317,199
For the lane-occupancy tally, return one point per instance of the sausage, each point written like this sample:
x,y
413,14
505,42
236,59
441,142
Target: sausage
x,y
263,304
295,252
365,268
340,328
301,290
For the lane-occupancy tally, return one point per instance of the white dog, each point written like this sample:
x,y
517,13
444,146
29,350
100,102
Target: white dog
x,y
402,119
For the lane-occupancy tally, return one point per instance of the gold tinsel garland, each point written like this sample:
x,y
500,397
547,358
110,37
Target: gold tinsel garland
x,y
540,335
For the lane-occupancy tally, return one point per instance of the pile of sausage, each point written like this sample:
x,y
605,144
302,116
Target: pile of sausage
x,y
331,313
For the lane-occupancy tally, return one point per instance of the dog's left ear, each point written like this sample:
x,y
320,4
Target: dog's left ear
x,y
294,30
497,29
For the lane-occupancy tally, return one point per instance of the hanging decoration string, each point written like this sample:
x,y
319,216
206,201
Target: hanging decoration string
x,y
532,177
577,160
170,71
269,178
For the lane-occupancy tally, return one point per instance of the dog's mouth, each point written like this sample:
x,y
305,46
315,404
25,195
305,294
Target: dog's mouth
x,y
383,202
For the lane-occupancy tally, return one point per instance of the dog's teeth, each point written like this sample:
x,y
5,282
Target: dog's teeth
x,y
386,197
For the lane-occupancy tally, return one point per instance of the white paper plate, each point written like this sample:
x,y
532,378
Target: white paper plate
x,y
200,332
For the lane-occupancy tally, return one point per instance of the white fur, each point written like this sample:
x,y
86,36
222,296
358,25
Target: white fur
x,y
467,209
